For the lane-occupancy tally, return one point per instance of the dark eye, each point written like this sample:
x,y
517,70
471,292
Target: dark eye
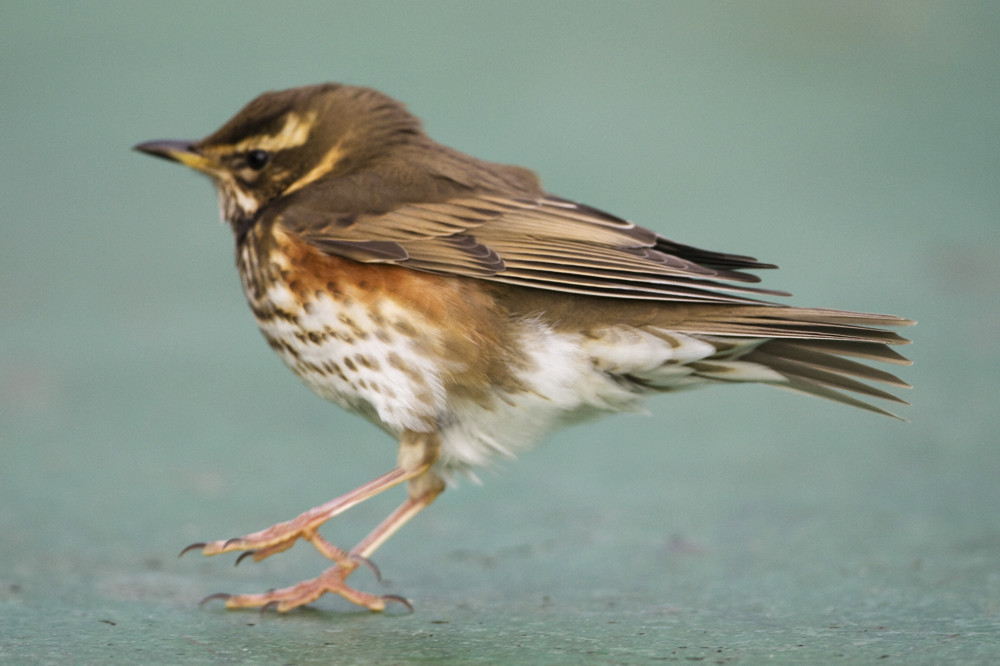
x,y
257,159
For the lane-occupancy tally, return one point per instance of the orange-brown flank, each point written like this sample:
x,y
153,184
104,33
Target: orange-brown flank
x,y
361,320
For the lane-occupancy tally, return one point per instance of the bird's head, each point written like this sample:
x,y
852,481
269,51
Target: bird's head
x,y
284,141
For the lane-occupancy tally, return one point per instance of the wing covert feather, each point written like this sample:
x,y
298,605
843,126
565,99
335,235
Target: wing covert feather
x,y
544,243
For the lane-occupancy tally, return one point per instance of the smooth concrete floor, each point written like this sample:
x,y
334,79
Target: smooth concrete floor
x,y
855,144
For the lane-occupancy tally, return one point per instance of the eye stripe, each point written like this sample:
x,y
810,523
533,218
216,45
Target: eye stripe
x,y
294,132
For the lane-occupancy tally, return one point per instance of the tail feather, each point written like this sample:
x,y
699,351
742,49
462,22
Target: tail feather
x,y
816,356
812,388
870,351
805,349
800,324
810,373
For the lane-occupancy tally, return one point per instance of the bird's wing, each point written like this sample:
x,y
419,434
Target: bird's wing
x,y
543,243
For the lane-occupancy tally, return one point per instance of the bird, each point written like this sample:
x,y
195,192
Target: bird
x,y
468,313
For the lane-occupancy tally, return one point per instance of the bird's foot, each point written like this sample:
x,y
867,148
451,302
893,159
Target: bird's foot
x,y
278,538
282,536
332,581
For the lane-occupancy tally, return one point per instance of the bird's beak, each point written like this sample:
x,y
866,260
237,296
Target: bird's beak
x,y
184,152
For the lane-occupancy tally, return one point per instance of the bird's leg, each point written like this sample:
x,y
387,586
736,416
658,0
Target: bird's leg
x,y
282,536
422,490
333,580
417,452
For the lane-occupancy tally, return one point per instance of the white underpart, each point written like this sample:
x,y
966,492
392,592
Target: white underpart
x,y
564,387
374,385
394,379
573,377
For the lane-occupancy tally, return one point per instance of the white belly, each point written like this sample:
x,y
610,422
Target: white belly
x,y
382,360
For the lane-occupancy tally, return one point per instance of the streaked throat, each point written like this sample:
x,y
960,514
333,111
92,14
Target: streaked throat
x,y
236,205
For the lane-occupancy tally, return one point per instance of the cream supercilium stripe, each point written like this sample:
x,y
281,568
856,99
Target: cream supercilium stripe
x,y
293,133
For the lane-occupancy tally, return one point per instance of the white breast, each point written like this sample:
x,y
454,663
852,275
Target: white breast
x,y
360,362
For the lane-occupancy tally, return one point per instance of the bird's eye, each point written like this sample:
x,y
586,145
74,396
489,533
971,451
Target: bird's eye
x,y
257,159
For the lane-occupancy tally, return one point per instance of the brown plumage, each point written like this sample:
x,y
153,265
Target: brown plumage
x,y
467,312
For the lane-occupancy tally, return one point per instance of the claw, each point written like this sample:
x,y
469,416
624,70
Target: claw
x,y
368,563
282,536
242,555
224,596
194,546
398,599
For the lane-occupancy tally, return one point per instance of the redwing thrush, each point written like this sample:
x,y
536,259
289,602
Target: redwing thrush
x,y
467,312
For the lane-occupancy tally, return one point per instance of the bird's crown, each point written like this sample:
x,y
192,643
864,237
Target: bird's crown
x,y
283,141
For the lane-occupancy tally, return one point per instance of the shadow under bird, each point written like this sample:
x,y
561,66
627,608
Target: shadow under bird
x,y
467,312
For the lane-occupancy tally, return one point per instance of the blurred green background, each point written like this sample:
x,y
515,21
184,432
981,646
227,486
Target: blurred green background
x,y
856,144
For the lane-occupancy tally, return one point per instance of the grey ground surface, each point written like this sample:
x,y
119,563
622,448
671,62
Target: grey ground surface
x,y
855,144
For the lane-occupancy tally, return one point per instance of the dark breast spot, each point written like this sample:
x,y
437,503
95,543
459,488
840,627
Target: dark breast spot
x,y
405,328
